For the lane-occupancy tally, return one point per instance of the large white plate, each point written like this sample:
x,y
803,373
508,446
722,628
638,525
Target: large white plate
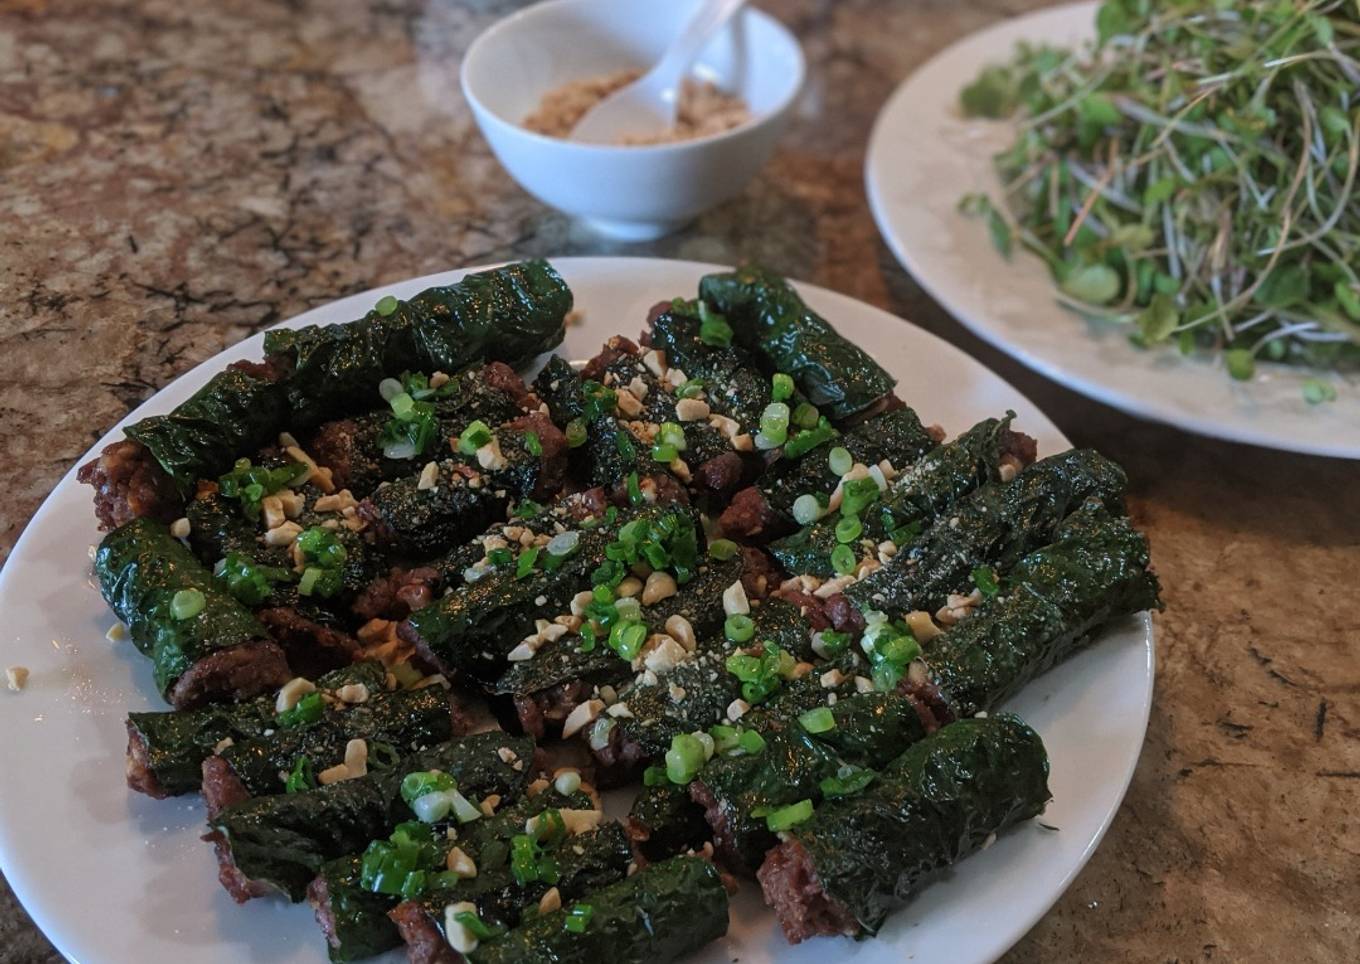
x,y
112,876
924,155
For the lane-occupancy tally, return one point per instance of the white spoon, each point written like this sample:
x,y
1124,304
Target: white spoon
x,y
649,103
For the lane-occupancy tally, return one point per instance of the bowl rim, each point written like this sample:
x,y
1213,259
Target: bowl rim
x,y
510,21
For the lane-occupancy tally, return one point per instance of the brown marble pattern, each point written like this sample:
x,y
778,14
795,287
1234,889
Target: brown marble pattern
x,y
176,175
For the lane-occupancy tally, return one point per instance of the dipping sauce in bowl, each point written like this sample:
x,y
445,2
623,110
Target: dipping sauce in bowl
x,y
528,74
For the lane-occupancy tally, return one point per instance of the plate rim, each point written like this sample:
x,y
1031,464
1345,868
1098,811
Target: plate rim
x,y
1022,27
53,925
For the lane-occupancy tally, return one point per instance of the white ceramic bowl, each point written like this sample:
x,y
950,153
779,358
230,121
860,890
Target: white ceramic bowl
x,y
632,193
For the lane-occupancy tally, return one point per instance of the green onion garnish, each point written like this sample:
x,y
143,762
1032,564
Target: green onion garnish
x,y
840,460
187,603
818,720
849,529
477,434
576,433
843,560
300,777
807,509
847,781
984,577
790,816
386,305
722,549
739,628
524,563
532,443
781,387
305,712
805,416
857,495
714,330
751,741
684,759
665,453
578,918
690,388
634,489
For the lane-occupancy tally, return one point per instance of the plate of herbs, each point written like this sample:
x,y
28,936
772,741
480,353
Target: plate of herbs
x,y
1155,206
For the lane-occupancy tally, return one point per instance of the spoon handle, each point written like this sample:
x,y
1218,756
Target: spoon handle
x,y
711,17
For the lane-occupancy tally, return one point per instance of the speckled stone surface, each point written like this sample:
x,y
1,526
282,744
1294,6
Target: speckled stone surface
x,y
173,176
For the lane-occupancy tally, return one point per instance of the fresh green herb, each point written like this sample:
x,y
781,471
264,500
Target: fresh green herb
x,y
478,927
634,487
1316,391
890,647
400,866
524,562
1195,175
324,557
528,509
623,444
833,643
416,785
599,400
532,444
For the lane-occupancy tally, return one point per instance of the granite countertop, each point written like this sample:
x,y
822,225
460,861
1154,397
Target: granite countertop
x,y
175,176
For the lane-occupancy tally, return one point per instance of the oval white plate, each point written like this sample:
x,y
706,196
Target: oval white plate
x,y
113,876
924,155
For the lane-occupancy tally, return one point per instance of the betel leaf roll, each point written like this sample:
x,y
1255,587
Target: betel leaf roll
x,y
236,412
1049,604
769,318
202,643
994,526
859,858
400,722
733,384
932,484
355,917
664,821
766,508
658,915
866,732
278,843
509,314
166,750
584,863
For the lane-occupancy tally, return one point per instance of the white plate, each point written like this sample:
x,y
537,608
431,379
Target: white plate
x,y
924,155
113,876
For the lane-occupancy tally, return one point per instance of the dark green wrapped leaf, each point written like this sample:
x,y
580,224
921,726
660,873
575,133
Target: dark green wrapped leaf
x,y
1050,604
734,385
141,569
861,857
236,413
658,915
897,436
279,843
585,864
404,721
932,484
166,750
353,448
993,527
510,314
664,822
546,688
356,919
869,730
769,318
610,452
